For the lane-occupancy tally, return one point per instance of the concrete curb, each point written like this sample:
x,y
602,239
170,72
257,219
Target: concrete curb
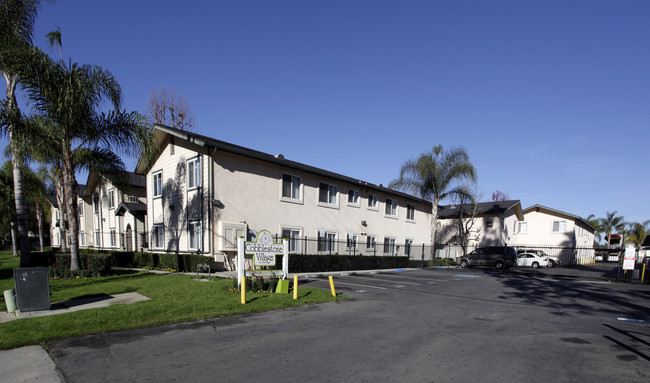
x,y
28,364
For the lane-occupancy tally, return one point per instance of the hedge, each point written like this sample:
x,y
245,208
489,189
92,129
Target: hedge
x,y
182,262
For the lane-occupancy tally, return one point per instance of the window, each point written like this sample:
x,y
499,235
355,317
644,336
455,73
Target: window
x,y
293,236
327,242
80,208
351,241
371,242
157,184
372,201
194,173
489,222
408,247
82,238
559,226
291,187
391,207
133,199
389,245
158,236
195,235
98,238
327,194
353,197
113,239
96,202
523,227
111,199
410,212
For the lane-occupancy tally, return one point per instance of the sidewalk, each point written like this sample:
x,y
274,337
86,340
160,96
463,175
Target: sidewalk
x,y
28,364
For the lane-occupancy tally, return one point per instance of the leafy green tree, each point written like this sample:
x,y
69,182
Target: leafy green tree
x,y
636,233
67,104
595,223
17,19
436,176
612,223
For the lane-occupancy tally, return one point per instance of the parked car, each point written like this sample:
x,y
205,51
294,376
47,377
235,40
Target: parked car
x,y
552,260
499,257
532,260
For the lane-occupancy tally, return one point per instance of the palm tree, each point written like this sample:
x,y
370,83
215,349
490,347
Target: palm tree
x,y
595,223
610,223
636,233
69,98
17,19
435,176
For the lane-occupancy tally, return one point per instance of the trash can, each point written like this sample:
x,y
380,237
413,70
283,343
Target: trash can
x,y
10,300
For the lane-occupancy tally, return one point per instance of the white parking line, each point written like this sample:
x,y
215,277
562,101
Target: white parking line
x,y
357,284
389,281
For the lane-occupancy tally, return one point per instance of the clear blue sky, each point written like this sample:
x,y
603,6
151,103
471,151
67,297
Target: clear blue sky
x,y
551,99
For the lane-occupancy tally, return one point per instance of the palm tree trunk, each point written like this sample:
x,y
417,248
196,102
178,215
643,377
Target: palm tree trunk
x,y
70,188
14,243
39,219
19,192
60,199
434,228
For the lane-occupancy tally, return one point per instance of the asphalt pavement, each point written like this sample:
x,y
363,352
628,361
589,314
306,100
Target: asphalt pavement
x,y
415,326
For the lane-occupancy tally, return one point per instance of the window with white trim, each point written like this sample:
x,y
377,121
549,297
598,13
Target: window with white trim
x,y
80,208
96,202
157,184
291,186
158,236
82,238
327,194
293,236
353,197
98,238
372,202
327,242
113,238
410,212
559,226
194,173
408,247
195,235
351,242
389,245
391,207
522,227
371,242
111,199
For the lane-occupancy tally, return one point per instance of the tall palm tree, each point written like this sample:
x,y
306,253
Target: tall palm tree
x,y
17,19
595,223
70,97
435,176
636,233
610,223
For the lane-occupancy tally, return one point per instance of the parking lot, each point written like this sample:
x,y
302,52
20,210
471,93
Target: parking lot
x,y
411,326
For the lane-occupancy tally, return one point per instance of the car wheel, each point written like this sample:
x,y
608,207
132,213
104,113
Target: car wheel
x,y
551,263
535,265
499,265
464,264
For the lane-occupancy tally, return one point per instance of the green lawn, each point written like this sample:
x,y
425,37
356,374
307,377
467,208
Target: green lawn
x,y
175,298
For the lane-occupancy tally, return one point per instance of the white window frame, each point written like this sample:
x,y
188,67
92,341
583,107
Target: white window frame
x,y
96,203
111,199
372,202
158,236
157,183
82,238
328,238
561,227
98,238
113,237
408,247
522,227
332,195
292,182
80,208
354,195
371,242
293,238
352,239
410,212
389,245
391,209
195,234
194,174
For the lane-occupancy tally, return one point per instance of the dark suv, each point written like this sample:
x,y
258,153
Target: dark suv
x,y
491,256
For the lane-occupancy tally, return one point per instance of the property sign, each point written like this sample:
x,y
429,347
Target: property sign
x,y
630,259
263,249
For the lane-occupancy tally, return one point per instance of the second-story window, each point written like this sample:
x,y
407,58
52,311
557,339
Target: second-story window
x,y
111,199
353,197
372,201
96,202
327,194
290,187
391,207
157,184
194,173
410,212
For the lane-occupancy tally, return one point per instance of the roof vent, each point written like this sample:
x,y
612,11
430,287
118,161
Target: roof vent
x,y
280,156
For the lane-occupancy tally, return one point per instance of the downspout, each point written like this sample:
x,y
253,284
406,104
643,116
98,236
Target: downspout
x,y
211,203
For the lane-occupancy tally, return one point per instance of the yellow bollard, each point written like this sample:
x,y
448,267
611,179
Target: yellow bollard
x,y
332,286
643,273
243,290
295,287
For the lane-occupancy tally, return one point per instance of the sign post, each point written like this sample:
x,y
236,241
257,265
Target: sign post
x,y
263,250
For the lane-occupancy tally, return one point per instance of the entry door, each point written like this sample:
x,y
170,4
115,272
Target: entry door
x,y
129,238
